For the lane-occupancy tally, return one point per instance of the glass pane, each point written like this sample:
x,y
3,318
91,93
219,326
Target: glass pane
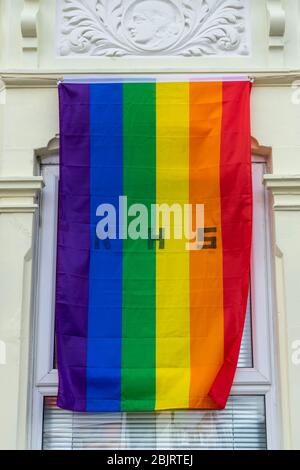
x,y
246,358
242,425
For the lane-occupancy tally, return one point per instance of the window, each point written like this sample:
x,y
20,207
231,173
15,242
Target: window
x,y
249,420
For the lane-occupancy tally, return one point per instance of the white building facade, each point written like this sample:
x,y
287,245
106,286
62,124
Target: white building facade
x,y
43,41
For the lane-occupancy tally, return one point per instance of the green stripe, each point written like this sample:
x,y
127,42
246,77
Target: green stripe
x,y
139,262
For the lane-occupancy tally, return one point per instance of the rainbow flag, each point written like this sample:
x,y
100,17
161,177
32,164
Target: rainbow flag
x,y
143,323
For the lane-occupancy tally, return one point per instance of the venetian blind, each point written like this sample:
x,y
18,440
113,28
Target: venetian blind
x,y
241,425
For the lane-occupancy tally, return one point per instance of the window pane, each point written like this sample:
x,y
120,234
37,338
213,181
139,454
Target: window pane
x,y
241,425
245,358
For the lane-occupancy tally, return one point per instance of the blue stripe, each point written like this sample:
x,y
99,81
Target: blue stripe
x,y
105,292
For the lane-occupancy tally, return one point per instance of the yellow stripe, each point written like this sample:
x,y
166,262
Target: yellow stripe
x,y
172,262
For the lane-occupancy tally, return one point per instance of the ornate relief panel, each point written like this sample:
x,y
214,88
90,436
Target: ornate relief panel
x,y
118,28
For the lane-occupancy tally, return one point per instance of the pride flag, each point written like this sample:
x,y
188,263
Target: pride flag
x,y
146,324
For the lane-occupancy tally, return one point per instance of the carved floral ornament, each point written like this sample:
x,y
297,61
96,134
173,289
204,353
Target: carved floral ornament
x,y
117,28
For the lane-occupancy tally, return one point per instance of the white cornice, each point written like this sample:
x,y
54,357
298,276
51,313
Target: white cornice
x,y
49,79
18,194
283,184
29,81
285,190
17,208
20,186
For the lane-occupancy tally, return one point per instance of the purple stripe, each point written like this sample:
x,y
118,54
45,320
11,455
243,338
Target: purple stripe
x,y
73,247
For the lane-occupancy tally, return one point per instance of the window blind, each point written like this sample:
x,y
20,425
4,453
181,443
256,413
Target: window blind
x,y
246,356
241,425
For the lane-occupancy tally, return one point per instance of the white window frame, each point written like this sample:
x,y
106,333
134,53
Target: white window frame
x,y
258,380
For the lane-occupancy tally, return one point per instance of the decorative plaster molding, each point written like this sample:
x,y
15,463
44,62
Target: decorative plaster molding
x,y
51,150
16,193
29,31
29,16
260,150
285,190
117,28
277,22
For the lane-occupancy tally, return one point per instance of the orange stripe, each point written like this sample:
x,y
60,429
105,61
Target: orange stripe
x,y
206,265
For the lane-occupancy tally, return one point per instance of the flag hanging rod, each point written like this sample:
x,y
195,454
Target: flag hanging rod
x,y
151,78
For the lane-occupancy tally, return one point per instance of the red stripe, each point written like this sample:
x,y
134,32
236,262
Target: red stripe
x,y
236,208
